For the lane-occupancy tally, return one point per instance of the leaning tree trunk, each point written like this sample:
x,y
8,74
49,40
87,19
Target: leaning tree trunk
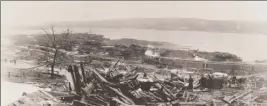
x,y
52,70
53,64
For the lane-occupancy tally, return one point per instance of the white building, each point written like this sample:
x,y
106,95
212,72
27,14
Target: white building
x,y
150,52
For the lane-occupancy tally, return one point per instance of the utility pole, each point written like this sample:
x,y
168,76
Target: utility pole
x,y
90,31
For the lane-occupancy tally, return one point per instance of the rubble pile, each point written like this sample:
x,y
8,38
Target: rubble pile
x,y
91,85
100,87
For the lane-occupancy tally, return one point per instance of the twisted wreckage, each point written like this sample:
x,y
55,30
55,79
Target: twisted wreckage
x,y
97,86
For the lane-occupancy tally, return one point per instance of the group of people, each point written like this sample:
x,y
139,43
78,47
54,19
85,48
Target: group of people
x,y
205,82
210,82
11,61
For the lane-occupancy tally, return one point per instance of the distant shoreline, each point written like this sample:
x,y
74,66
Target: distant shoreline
x,y
186,39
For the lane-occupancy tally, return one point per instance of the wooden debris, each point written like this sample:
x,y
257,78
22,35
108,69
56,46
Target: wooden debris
x,y
120,94
38,98
96,87
79,103
192,103
50,96
72,75
122,103
78,80
83,73
231,99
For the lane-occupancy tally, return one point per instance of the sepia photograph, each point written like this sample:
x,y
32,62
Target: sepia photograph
x,y
133,53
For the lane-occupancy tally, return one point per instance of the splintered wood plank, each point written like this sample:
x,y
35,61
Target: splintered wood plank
x,y
50,96
237,96
12,104
120,94
79,103
83,72
17,103
193,103
95,101
103,100
122,103
61,94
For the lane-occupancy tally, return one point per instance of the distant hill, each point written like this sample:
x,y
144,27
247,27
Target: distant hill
x,y
180,24
93,43
261,61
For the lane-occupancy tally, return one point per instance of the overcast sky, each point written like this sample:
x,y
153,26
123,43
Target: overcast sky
x,y
16,13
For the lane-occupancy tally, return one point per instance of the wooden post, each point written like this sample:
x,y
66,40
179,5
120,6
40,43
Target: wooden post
x,y
72,75
70,87
78,80
83,73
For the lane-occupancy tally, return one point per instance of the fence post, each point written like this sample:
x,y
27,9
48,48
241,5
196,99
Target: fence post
x,y
24,74
8,74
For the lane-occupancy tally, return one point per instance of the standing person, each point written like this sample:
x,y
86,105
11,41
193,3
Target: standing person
x,y
145,75
202,82
210,82
234,80
15,61
190,86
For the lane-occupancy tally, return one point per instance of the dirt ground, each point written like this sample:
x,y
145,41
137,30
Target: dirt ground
x,y
38,77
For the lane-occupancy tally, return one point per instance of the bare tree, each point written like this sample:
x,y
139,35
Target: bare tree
x,y
55,42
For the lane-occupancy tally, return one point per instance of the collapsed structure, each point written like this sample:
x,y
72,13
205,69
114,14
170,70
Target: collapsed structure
x,y
89,85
